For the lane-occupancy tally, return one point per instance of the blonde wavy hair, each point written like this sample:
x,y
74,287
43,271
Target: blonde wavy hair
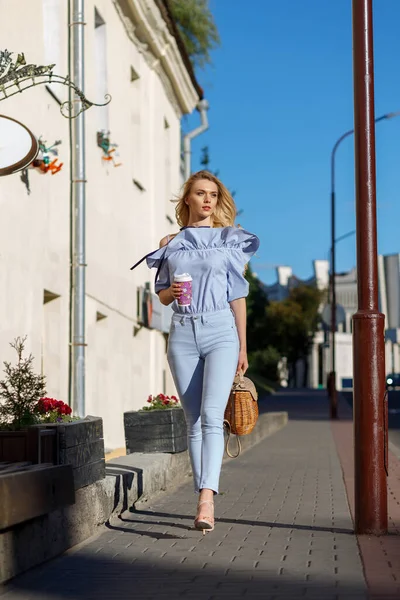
x,y
225,211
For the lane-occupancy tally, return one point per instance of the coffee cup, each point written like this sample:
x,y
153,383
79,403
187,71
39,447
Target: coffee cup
x,y
185,283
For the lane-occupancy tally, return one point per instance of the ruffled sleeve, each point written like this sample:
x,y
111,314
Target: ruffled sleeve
x,y
242,245
158,259
162,281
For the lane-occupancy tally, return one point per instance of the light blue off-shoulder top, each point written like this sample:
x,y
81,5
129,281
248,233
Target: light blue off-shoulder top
x,y
215,257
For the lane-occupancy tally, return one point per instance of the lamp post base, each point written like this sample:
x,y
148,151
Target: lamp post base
x,y
332,393
370,427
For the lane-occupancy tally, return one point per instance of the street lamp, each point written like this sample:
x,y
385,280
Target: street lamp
x,y
332,374
339,239
369,409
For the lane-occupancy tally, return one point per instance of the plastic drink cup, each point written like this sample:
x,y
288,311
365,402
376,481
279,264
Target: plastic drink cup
x,y
185,283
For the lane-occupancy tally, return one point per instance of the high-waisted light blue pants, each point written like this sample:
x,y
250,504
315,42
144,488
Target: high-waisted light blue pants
x,y
203,351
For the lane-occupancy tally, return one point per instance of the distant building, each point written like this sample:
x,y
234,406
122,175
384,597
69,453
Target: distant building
x,y
319,360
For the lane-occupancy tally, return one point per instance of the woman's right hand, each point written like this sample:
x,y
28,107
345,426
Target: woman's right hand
x,y
170,294
175,290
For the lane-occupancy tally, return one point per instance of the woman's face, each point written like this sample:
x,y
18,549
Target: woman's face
x,y
202,199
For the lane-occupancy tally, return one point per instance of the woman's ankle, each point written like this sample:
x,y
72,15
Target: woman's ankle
x,y
206,495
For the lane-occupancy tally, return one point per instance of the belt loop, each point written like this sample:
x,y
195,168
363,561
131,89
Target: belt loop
x,y
203,319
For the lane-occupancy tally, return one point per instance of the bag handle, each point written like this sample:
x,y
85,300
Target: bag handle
x,y
239,377
239,445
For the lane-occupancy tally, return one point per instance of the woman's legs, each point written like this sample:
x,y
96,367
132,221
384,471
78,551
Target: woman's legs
x,y
219,372
221,356
187,369
202,354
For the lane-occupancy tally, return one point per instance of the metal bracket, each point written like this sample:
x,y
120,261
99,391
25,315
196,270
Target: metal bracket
x,y
14,76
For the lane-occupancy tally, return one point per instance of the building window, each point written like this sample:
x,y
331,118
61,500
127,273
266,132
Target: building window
x,y
100,48
54,41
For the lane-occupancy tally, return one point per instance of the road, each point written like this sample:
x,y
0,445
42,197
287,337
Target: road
x,y
394,416
394,419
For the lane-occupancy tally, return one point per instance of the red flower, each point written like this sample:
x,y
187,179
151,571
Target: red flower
x,y
46,405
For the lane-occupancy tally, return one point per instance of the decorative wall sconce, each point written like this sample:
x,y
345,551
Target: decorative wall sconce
x,y
16,77
109,149
46,160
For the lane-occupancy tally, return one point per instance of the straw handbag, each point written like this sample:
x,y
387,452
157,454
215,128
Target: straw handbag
x,y
241,412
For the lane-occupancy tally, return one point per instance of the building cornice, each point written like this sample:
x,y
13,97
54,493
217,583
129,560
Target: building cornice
x,y
148,30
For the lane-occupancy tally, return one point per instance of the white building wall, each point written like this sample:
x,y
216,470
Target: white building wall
x,y
123,222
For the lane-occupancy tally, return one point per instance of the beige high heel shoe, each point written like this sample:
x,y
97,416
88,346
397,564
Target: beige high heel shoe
x,y
204,522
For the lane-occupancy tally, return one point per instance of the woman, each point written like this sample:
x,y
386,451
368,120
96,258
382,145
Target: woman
x,y
207,341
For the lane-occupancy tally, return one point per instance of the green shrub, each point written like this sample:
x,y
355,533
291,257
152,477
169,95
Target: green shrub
x,y
20,391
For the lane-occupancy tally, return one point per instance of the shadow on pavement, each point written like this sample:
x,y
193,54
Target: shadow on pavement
x,y
250,523
83,576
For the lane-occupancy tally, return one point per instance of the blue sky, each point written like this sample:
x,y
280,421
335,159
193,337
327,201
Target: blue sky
x,y
281,93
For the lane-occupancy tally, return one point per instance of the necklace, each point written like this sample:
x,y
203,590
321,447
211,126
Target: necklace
x,y
195,227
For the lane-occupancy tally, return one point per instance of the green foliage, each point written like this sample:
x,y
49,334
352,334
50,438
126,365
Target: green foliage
x,y
20,390
263,385
278,329
205,163
257,302
161,402
197,28
293,322
263,357
265,361
54,417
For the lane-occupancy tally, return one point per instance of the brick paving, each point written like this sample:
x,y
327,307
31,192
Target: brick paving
x,y
283,531
380,555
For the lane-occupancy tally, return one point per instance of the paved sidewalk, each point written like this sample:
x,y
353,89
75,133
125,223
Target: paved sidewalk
x,y
284,531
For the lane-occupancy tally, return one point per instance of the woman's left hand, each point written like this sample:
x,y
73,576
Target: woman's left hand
x,y
243,363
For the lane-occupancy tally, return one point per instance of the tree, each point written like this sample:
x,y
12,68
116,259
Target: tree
x,y
205,163
293,322
263,356
256,303
20,390
197,28
280,329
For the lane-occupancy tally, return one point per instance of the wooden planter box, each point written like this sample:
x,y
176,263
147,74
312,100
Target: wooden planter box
x,y
34,444
79,443
155,431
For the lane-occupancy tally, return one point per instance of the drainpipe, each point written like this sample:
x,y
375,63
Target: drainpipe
x,y
202,107
79,209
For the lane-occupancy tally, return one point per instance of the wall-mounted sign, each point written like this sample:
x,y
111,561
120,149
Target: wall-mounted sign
x,y
18,146
150,312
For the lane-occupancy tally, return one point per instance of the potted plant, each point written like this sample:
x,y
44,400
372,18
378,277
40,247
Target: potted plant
x,y
35,428
20,392
159,426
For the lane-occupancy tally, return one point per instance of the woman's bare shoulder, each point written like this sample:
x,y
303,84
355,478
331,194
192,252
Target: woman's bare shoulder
x,y
167,239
